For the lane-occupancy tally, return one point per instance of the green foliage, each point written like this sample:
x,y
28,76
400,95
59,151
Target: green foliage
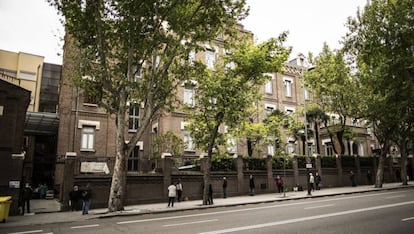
x,y
255,163
328,162
225,95
366,161
348,161
279,163
169,143
223,163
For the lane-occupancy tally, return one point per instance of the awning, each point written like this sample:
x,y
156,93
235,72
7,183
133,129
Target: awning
x,y
41,123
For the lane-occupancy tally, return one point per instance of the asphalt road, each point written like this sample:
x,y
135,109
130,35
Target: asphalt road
x,y
375,212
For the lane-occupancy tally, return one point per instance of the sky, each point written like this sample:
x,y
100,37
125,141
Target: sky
x,y
32,26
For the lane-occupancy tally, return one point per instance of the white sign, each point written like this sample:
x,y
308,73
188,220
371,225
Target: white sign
x,y
14,184
94,167
308,165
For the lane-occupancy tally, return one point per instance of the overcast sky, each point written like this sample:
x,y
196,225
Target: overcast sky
x,y
32,26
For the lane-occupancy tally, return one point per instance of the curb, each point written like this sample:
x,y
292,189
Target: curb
x,y
203,207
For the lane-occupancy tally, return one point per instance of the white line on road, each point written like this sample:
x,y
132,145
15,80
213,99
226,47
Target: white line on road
x,y
407,219
306,218
179,224
254,208
316,207
33,231
85,226
391,197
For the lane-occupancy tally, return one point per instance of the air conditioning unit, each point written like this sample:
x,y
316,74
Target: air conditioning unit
x,y
19,156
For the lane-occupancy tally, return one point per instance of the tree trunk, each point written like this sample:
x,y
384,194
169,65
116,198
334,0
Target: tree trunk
x,y
380,170
403,163
249,147
318,147
117,192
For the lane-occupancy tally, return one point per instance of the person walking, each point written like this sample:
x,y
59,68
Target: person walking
x,y
318,180
179,190
86,199
311,182
352,178
172,193
74,197
224,187
251,185
27,195
210,195
279,184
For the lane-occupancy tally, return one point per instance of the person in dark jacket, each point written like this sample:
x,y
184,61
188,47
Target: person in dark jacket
x,y
318,180
86,199
210,195
74,197
224,187
27,195
251,185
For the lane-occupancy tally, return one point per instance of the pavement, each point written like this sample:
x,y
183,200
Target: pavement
x,y
48,211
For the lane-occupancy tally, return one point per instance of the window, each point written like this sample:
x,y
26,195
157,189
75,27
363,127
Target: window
x,y
133,159
291,148
188,142
270,149
210,58
289,110
288,87
133,117
329,148
269,108
231,145
306,94
88,138
269,87
189,96
92,92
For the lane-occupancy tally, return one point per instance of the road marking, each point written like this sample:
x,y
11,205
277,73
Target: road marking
x,y
85,226
33,231
316,207
307,218
179,224
391,197
253,208
407,219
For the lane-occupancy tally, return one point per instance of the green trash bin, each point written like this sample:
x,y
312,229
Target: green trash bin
x,y
4,208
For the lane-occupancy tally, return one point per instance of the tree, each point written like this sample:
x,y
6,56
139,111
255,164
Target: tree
x,y
225,94
334,89
135,51
169,143
380,42
316,115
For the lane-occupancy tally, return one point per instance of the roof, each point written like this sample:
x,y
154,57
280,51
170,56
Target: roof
x,y
41,123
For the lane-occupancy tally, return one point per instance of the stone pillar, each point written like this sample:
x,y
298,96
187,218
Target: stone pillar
x,y
318,165
166,163
295,167
339,168
270,179
68,182
240,175
412,168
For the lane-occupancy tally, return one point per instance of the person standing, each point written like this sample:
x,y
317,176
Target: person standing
x,y
210,195
279,184
172,193
352,178
318,180
179,190
311,182
224,187
74,197
251,185
86,199
27,195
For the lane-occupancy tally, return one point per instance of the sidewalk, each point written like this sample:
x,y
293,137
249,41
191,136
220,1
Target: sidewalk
x,y
47,211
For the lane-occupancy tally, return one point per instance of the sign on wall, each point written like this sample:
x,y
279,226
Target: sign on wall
x,y
94,167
